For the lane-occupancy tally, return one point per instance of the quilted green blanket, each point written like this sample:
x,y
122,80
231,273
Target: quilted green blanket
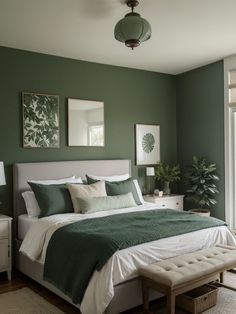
x,y
76,250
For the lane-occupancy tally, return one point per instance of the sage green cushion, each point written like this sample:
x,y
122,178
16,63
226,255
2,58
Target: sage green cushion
x,y
52,199
94,204
119,187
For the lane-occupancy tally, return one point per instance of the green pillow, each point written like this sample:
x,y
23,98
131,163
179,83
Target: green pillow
x,y
119,187
52,199
94,204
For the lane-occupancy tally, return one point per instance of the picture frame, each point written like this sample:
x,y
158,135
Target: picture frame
x,y
147,144
40,120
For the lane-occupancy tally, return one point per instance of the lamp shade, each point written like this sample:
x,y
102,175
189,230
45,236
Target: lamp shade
x,y
132,30
2,174
150,171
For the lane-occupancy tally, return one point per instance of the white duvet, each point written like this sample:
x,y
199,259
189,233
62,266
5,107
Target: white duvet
x,y
123,264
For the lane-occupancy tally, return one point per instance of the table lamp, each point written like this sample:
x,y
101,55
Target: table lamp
x,y
2,175
150,172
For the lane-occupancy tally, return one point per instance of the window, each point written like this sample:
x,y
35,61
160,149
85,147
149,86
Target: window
x,y
230,142
96,135
232,87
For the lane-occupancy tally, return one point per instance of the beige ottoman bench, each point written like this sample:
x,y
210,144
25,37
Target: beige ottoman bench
x,y
179,274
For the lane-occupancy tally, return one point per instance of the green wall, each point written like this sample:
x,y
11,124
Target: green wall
x,y
130,96
200,120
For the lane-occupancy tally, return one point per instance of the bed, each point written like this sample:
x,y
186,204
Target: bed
x,y
124,286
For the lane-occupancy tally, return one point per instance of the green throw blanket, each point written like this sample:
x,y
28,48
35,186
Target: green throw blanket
x,y
76,250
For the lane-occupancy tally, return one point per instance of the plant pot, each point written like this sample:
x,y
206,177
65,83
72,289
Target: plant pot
x,y
166,188
201,212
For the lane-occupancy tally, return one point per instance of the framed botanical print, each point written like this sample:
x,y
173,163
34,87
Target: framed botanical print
x,y
147,140
40,120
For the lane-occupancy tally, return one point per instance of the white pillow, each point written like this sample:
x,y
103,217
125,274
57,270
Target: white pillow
x,y
72,179
140,195
121,177
31,204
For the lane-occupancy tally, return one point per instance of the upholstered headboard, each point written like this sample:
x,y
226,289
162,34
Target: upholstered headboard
x,y
60,169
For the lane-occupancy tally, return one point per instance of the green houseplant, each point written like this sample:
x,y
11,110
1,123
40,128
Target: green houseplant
x,y
166,174
200,180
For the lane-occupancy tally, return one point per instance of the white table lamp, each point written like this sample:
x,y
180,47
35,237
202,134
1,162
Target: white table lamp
x,y
150,172
2,174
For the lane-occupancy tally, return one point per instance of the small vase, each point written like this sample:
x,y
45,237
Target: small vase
x,y
166,188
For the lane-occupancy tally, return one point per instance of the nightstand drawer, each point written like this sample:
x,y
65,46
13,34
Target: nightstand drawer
x,y
4,229
175,203
5,245
171,201
4,255
172,204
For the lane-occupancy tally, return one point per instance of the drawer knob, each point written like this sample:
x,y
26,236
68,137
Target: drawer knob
x,y
177,203
163,205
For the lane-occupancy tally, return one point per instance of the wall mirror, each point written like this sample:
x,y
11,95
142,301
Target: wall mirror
x,y
85,122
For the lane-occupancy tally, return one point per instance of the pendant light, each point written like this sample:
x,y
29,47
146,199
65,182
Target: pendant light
x,y
132,29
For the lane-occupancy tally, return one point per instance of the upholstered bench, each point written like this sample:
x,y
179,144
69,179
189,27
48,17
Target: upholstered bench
x,y
179,274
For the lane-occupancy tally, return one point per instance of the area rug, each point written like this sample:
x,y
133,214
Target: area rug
x,y
25,301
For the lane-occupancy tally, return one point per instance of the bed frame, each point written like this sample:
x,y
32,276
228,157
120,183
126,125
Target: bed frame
x,y
127,294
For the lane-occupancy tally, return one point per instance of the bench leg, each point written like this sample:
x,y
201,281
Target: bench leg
x,y
145,291
171,303
221,277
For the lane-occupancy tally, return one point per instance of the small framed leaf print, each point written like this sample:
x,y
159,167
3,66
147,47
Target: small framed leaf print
x,y
40,120
147,140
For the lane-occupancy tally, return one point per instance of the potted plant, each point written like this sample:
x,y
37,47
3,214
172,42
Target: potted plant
x,y
166,174
201,179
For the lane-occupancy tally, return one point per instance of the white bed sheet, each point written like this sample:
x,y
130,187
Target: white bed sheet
x,y
24,224
123,265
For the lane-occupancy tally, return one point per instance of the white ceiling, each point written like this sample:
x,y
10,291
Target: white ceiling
x,y
185,33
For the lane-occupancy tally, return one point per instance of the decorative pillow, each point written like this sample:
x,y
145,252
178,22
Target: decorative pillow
x,y
94,204
93,190
52,199
31,204
117,178
120,187
72,179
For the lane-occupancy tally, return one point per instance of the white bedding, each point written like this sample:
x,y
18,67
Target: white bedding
x,y
123,264
24,224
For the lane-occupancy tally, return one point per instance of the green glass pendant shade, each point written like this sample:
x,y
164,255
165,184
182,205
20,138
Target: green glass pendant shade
x,y
132,30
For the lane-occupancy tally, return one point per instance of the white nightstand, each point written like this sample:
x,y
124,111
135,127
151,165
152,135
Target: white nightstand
x,y
173,201
5,245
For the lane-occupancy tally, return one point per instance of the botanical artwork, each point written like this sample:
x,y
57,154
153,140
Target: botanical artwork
x,y
40,120
147,144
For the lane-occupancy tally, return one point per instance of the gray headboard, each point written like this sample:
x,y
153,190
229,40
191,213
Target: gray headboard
x,y
60,169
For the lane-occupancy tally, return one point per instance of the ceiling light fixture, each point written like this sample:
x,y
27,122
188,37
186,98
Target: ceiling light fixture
x,y
132,29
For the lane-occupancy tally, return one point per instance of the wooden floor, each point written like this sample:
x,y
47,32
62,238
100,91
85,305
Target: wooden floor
x,y
19,281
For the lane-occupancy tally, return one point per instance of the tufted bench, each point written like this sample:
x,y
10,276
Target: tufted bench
x,y
179,274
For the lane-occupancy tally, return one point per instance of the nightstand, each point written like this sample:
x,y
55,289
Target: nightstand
x,y
172,201
5,245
